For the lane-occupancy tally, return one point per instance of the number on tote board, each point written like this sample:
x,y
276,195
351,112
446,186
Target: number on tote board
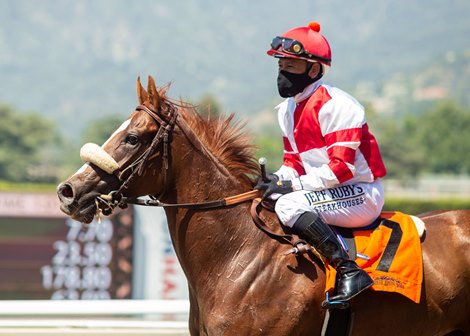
x,y
79,267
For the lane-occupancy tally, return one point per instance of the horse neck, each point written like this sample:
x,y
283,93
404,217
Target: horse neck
x,y
205,239
198,175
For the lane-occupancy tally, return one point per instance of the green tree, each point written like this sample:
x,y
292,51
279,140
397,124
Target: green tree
x,y
68,158
402,153
208,105
445,137
99,130
28,143
435,141
270,147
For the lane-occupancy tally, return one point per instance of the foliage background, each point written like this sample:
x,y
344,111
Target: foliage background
x,y
68,72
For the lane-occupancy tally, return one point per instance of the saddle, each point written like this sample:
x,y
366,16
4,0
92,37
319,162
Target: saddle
x,y
389,250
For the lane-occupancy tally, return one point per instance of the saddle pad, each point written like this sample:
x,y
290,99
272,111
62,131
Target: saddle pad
x,y
394,261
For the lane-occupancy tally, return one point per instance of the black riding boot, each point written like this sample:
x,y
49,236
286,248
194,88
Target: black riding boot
x,y
350,278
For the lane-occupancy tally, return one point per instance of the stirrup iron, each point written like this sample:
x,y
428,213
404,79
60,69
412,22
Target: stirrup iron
x,y
327,304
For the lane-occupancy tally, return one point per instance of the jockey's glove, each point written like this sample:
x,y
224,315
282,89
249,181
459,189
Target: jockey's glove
x,y
264,184
275,186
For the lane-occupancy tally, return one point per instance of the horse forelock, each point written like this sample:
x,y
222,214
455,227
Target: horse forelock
x,y
226,139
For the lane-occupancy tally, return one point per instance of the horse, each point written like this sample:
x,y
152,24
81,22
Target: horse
x,y
239,280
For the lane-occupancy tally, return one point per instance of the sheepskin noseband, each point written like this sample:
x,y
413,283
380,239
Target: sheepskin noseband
x,y
93,153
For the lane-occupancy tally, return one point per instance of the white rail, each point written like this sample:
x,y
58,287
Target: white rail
x,y
92,307
94,317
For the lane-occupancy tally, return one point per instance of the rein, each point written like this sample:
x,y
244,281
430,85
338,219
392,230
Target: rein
x,y
298,245
116,198
220,203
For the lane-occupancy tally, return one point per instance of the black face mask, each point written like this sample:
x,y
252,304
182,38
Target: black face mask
x,y
289,84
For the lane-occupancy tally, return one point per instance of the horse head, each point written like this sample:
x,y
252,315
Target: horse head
x,y
136,152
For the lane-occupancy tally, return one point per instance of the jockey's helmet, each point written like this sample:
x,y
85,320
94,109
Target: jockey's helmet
x,y
302,42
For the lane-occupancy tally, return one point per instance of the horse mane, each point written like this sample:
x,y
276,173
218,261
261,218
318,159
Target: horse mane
x,y
224,137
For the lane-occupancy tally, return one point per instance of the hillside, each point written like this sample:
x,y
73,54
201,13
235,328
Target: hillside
x,y
75,60
447,77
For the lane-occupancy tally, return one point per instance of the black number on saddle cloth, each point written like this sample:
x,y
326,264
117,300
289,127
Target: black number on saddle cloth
x,y
346,237
392,245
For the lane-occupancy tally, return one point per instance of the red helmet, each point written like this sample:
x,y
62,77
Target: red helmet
x,y
304,43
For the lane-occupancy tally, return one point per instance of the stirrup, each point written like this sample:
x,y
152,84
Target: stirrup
x,y
300,246
327,304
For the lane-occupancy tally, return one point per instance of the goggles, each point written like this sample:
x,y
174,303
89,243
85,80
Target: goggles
x,y
295,48
288,45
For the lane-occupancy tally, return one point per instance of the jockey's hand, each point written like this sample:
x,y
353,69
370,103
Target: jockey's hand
x,y
281,187
263,185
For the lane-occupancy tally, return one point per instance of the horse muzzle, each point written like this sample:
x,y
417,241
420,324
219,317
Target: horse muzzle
x,y
81,209
76,200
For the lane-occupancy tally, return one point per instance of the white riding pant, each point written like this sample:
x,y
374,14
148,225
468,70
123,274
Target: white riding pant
x,y
347,205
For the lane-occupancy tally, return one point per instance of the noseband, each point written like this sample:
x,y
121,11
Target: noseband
x,y
167,124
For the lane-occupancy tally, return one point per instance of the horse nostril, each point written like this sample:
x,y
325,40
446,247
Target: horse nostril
x,y
65,191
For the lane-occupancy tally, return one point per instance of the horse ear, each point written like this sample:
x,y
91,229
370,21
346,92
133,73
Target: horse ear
x,y
141,93
153,93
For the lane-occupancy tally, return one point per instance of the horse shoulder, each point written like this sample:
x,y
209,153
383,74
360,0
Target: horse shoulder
x,y
262,282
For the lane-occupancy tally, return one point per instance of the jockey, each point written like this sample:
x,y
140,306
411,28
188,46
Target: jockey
x,y
332,164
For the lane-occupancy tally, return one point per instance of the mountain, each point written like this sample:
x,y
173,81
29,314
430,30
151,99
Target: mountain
x,y
74,61
447,77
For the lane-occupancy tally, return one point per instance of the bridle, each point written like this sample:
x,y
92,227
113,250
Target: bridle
x,y
163,134
167,124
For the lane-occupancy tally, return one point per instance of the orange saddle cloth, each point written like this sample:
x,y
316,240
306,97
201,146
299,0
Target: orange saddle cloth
x,y
391,254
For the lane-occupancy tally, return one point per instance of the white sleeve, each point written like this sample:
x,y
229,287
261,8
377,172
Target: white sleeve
x,y
317,179
286,173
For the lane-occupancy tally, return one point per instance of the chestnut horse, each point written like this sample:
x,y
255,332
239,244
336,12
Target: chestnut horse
x,y
240,283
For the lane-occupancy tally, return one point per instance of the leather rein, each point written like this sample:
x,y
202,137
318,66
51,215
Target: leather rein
x,y
116,198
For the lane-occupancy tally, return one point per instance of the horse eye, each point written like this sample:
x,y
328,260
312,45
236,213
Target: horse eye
x,y
132,139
